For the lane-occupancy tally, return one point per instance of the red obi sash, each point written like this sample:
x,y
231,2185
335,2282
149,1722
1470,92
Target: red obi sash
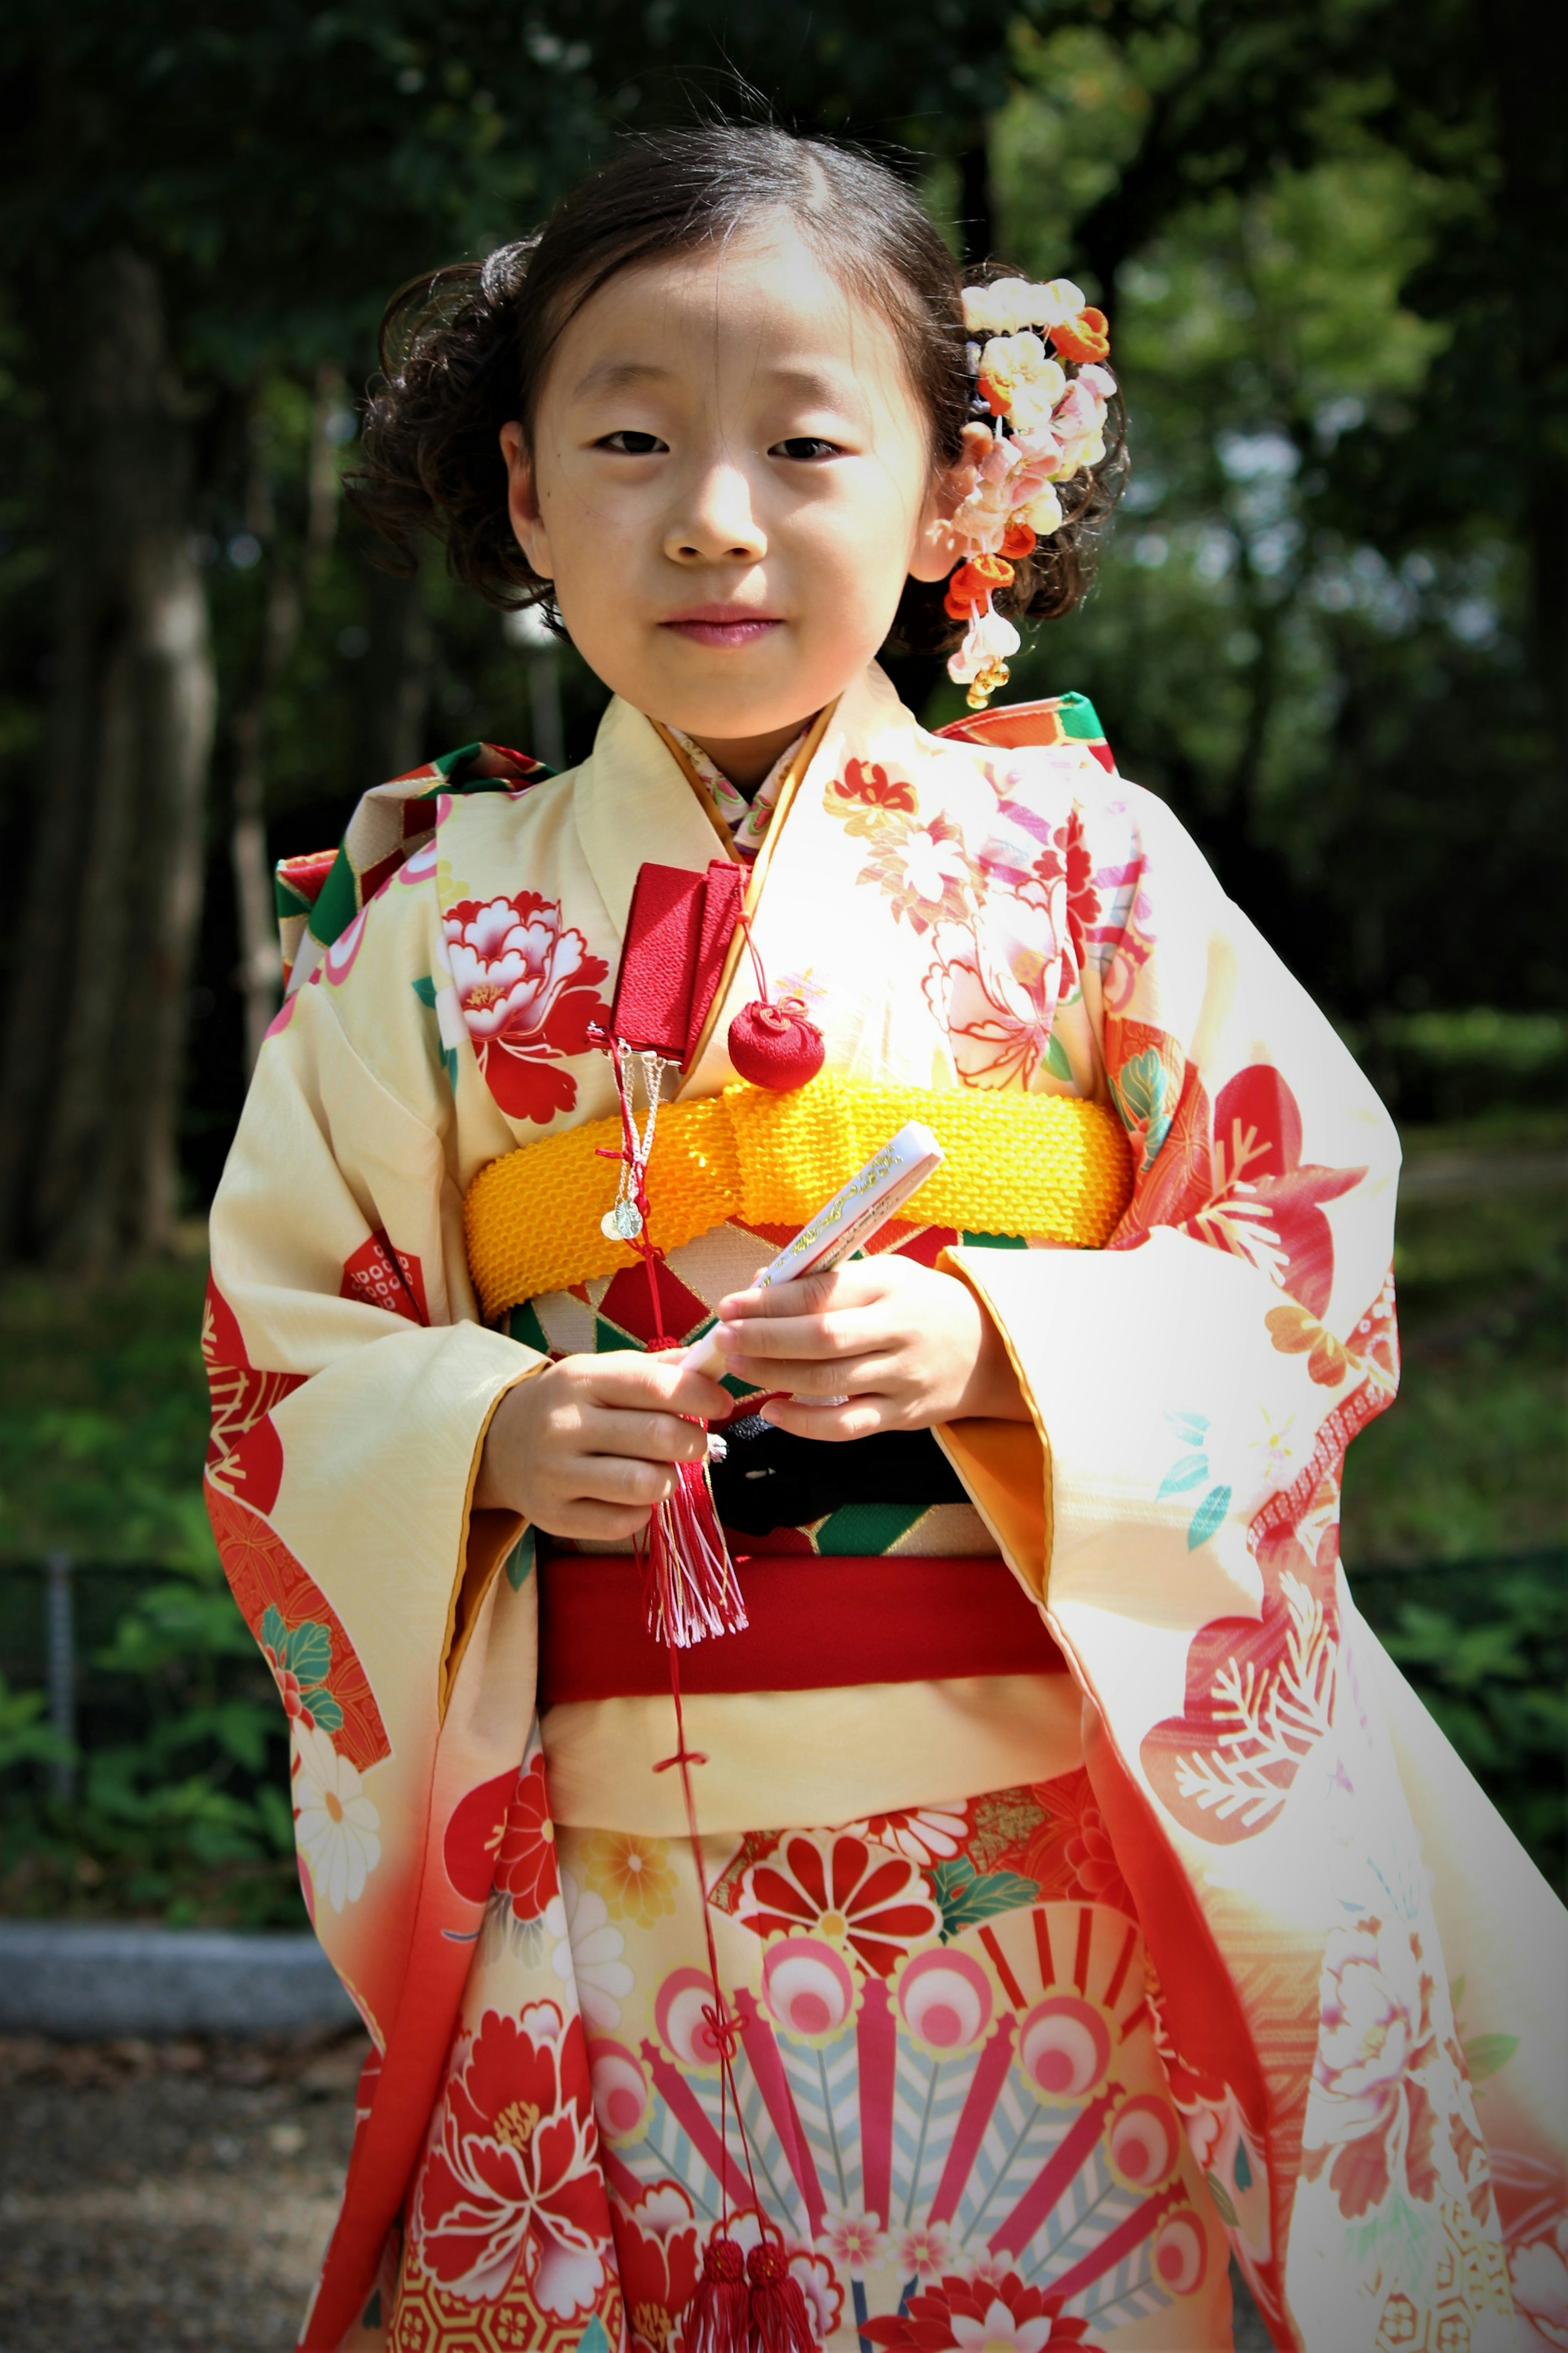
x,y
818,1619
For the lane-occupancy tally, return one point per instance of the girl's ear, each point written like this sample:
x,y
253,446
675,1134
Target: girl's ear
x,y
934,554
522,504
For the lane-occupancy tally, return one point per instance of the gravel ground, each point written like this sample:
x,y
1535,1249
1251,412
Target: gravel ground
x,y
155,2196
160,2195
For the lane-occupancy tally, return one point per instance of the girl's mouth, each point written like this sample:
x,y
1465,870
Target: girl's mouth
x,y
721,625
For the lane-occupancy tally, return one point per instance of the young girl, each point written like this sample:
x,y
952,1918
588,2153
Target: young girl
x,y
1055,1890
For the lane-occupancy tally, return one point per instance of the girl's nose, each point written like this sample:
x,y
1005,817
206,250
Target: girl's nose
x,y
717,521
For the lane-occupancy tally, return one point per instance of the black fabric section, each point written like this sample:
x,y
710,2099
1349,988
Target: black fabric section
x,y
771,1479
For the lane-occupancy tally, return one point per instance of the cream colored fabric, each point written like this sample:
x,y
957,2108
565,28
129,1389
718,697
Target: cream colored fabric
x,y
785,1758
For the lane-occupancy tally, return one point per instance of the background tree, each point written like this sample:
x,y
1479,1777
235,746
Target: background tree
x,y
1335,606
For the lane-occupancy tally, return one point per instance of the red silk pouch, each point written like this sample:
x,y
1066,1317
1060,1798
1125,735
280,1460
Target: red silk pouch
x,y
678,935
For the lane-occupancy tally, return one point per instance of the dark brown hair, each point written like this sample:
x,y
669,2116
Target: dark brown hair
x,y
466,350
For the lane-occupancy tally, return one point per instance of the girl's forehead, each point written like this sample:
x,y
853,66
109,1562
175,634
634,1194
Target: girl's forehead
x,y
763,297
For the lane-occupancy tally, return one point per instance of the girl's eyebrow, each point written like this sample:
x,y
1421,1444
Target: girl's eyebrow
x,y
627,375
620,376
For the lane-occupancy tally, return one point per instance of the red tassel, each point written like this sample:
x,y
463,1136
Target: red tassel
x,y
780,2321
692,1589
718,2318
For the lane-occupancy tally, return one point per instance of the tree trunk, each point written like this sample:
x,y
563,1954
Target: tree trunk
x,y
259,975
89,1083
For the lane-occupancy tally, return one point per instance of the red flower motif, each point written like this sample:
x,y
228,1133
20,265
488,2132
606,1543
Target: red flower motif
x,y
528,988
1092,1860
1057,885
845,1890
511,2174
289,1690
526,1859
975,2317
867,795
1236,1180
658,2259
1070,1854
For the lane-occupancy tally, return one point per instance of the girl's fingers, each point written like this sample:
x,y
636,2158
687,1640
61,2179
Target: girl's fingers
x,y
607,1432
618,1479
855,1284
861,1418
625,1381
837,1377
805,1339
596,1523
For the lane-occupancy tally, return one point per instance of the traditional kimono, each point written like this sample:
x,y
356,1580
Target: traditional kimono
x,y
1093,1898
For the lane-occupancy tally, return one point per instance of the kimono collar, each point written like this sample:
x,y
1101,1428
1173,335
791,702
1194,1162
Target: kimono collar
x,y
636,799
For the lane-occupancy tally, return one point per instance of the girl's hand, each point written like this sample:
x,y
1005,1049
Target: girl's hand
x,y
898,1346
584,1448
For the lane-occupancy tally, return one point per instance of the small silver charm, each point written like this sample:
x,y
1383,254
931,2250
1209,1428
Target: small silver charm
x,y
623,1223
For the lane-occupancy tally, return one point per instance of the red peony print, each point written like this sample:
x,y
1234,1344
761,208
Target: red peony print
x,y
380,1275
978,2316
528,988
510,2175
845,1890
658,2258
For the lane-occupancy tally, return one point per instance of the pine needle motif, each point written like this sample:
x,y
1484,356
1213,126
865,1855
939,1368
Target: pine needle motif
x,y
1276,1716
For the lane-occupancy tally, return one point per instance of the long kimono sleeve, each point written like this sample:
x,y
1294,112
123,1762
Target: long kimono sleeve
x,y
1175,1504
353,1384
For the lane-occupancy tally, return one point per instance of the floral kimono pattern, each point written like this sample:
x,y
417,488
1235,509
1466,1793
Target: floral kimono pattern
x,y
1218,1941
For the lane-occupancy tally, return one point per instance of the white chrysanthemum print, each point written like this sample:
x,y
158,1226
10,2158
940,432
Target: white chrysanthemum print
x,y
588,1953
338,1828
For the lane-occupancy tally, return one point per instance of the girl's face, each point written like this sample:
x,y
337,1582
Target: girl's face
x,y
731,479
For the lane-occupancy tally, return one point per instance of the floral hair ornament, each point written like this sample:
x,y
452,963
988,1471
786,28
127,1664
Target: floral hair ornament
x,y
1047,427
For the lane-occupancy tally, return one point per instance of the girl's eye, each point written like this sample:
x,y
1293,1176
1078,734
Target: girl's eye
x,y
627,444
805,445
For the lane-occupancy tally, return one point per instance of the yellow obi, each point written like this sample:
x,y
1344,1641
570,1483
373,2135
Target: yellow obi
x,y
1049,1168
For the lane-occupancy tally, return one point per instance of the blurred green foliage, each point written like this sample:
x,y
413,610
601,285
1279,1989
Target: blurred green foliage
x,y
181,1807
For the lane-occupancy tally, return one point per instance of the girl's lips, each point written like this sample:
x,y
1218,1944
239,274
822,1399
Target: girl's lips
x,y
716,625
